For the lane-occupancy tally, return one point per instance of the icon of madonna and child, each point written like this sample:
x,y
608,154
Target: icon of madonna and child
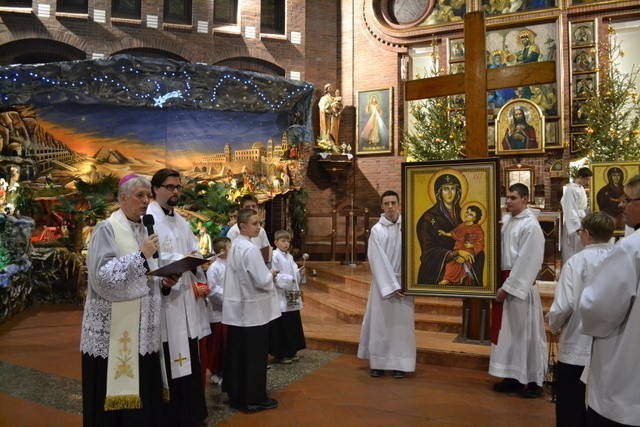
x,y
451,235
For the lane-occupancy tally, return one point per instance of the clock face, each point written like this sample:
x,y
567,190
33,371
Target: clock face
x,y
407,12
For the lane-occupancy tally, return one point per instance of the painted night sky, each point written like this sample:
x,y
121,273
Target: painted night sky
x,y
184,136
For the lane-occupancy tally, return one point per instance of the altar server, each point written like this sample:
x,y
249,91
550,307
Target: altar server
x,y
388,336
519,349
574,348
250,302
611,315
574,208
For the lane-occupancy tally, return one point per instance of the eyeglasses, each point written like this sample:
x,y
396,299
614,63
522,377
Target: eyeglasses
x,y
172,187
627,201
581,230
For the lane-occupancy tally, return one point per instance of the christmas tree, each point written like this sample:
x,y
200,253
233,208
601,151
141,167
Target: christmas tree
x,y
438,128
612,113
438,132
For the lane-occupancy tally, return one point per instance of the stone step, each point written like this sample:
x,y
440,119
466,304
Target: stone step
x,y
335,300
325,332
357,293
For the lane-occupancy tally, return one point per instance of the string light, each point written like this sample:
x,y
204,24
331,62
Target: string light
x,y
260,93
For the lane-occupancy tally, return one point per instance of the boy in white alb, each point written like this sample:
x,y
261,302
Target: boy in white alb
x,y
574,348
213,354
250,303
286,336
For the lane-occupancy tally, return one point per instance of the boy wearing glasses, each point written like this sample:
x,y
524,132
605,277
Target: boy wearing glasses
x,y
184,317
574,348
574,208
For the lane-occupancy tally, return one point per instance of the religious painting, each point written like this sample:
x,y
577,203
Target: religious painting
x,y
583,34
520,128
505,7
519,173
607,185
491,137
583,84
446,12
456,50
374,121
456,68
450,231
578,113
557,166
551,135
575,141
523,45
583,60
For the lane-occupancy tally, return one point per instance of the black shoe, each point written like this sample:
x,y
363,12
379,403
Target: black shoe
x,y
377,373
508,385
532,391
261,406
398,374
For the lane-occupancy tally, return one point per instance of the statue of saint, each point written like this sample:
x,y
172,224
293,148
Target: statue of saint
x,y
330,106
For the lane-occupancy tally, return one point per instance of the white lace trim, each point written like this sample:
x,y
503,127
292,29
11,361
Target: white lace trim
x,y
96,322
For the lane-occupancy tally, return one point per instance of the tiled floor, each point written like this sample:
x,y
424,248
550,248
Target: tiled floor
x,y
40,347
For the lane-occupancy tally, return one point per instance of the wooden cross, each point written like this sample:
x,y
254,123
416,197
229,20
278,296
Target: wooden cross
x,y
477,80
474,83
180,359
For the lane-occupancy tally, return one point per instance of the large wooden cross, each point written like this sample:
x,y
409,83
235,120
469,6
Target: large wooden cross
x,y
474,83
477,80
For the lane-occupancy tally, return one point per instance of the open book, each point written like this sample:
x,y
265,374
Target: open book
x,y
187,263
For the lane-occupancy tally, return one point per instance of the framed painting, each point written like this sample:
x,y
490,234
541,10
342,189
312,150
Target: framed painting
x,y
519,173
456,49
520,128
575,140
583,60
491,137
498,8
583,34
583,84
578,114
450,232
607,187
446,12
522,44
374,121
551,135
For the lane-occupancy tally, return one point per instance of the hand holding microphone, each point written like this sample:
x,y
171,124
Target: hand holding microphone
x,y
148,221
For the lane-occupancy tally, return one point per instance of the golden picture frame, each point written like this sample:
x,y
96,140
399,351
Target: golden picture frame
x,y
433,261
374,113
520,128
607,189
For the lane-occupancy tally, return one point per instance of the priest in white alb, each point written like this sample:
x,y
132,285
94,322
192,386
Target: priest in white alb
x,y
122,381
184,316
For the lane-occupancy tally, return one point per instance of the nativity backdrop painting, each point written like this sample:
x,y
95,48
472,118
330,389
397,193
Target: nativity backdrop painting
x,y
66,126
450,228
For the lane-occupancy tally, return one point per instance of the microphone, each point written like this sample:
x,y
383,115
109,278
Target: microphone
x,y
148,221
